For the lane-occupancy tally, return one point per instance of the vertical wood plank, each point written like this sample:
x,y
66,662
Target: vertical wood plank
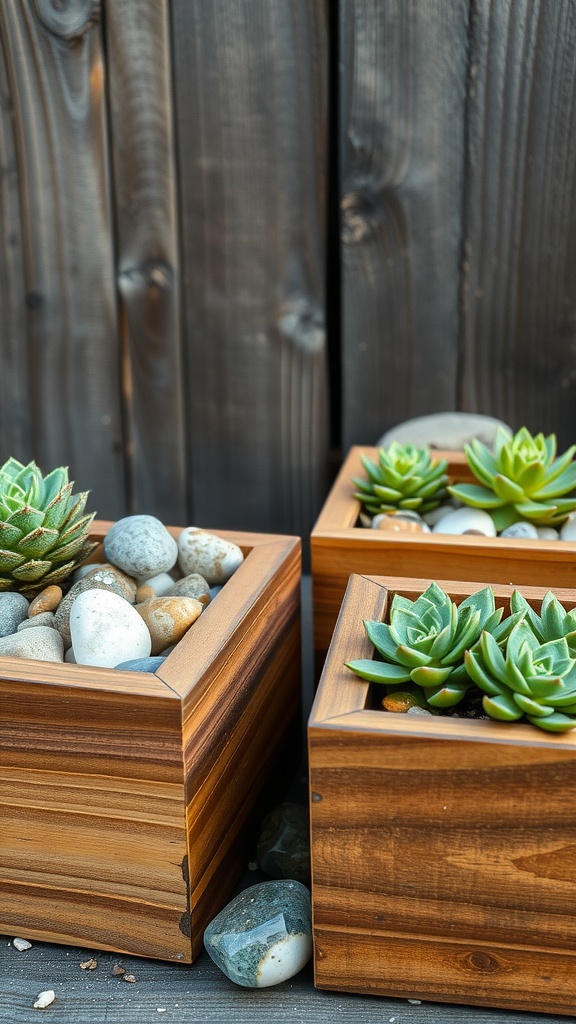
x,y
142,144
403,87
519,329
250,100
66,376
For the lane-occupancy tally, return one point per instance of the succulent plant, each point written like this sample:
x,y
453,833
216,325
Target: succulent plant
x,y
553,622
405,477
521,479
43,532
528,679
425,640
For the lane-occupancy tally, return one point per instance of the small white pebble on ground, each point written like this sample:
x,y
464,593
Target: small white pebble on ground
x,y
415,1002
44,999
22,944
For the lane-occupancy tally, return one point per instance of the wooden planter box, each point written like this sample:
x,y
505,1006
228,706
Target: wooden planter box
x,y
125,796
443,849
339,547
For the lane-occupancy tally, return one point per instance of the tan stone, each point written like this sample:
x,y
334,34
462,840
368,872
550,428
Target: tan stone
x,y
168,618
46,601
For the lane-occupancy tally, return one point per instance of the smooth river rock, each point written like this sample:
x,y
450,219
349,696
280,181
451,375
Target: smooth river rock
x,y
168,618
107,578
264,935
13,610
41,643
205,553
106,630
141,546
465,520
520,531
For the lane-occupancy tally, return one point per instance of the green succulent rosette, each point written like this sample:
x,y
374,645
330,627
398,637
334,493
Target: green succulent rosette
x,y
530,679
425,641
553,623
43,531
404,477
520,480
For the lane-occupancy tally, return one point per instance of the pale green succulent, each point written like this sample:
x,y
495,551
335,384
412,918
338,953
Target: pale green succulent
x,y
553,622
520,480
405,477
43,532
528,679
425,640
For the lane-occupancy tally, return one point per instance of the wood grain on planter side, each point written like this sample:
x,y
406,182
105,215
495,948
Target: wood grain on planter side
x,y
442,849
125,796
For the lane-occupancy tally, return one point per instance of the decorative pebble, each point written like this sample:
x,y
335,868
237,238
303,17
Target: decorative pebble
x,y
168,618
521,531
159,585
284,842
568,530
106,578
193,585
43,619
418,711
41,643
142,664
436,514
393,523
547,533
44,999
21,944
141,546
464,519
264,935
212,557
106,630
46,601
13,611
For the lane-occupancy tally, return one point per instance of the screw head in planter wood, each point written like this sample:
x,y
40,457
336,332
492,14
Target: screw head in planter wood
x,y
126,795
339,547
442,848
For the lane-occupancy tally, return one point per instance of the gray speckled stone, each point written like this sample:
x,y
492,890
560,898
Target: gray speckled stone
x,y
141,546
284,842
142,664
43,619
41,643
264,935
521,530
13,610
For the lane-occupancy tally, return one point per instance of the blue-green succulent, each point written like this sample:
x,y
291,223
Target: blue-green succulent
x,y
405,477
520,480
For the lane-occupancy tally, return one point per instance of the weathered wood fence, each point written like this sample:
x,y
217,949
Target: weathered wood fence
x,y
239,236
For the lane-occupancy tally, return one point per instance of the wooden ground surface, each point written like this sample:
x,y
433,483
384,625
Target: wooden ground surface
x,y
167,992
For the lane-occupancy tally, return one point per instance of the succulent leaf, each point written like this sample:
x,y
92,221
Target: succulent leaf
x,y
521,479
379,671
43,533
404,477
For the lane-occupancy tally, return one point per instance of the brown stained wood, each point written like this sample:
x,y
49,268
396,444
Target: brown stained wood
x,y
402,142
339,548
64,387
442,857
125,796
520,244
142,144
250,108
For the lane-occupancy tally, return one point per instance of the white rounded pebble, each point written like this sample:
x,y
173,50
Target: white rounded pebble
x,y
284,959
41,643
463,519
106,630
21,944
521,531
161,583
44,999
547,533
212,557
568,530
141,546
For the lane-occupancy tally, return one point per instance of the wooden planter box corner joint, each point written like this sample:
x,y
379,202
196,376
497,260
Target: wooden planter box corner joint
x,y
443,853
125,796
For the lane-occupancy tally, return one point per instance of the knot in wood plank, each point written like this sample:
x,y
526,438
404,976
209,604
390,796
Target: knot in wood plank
x,y
302,324
68,19
152,276
360,210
